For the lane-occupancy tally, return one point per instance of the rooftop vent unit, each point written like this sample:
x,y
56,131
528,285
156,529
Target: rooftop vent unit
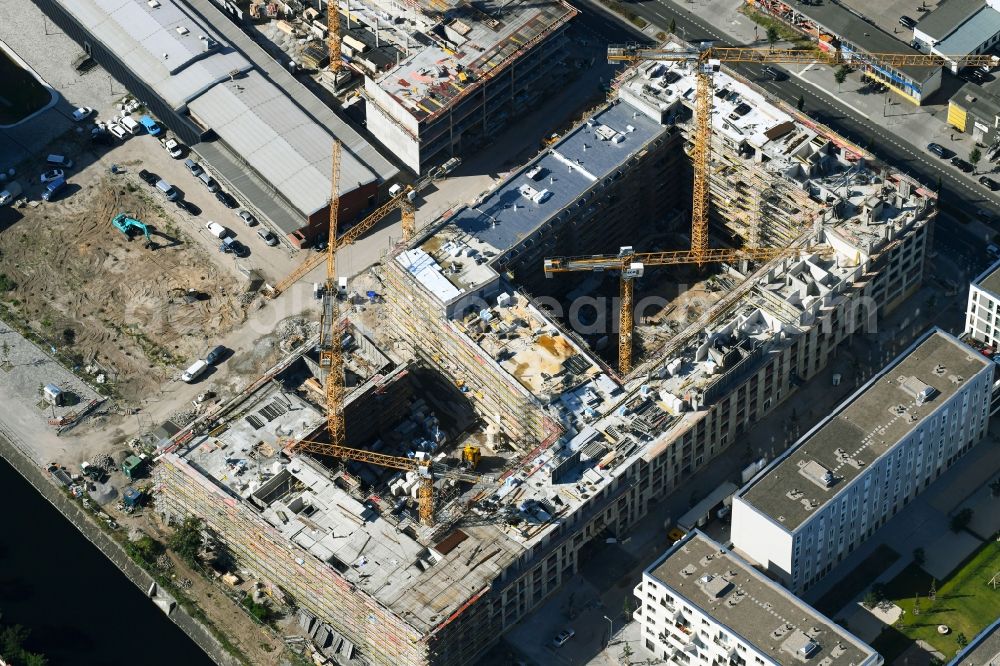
x,y
181,30
153,4
939,369
817,473
920,391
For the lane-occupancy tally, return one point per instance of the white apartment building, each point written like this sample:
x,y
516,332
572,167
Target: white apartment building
x,y
854,470
701,604
982,317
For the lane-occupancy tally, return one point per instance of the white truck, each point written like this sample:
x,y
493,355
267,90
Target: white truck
x,y
10,193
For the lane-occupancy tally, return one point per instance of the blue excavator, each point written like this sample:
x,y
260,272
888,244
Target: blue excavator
x,y
129,226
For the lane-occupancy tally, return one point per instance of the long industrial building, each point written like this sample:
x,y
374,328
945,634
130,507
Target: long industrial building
x,y
855,469
571,450
253,135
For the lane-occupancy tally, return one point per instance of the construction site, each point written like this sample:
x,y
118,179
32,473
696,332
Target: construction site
x,y
439,461
128,300
436,79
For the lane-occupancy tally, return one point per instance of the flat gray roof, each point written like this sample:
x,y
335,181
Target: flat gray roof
x,y
764,614
275,137
948,15
971,34
978,100
849,26
581,158
984,649
862,429
990,279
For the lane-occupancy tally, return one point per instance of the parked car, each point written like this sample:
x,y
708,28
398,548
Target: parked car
x,y
148,177
117,130
150,125
226,199
53,189
194,371
193,167
99,134
563,636
10,193
247,218
215,355
907,22
173,148
268,237
937,149
167,190
216,229
82,113
188,206
58,160
129,124
989,182
230,245
961,164
208,182
51,175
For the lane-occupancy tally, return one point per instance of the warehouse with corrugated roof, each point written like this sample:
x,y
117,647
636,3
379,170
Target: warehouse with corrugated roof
x,y
252,134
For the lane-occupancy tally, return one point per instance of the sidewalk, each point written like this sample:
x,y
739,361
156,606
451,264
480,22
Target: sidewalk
x,y
924,523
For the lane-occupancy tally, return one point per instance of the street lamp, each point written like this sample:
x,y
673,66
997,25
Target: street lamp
x,y
611,628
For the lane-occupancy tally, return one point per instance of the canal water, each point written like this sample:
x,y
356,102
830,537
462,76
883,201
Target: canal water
x,y
81,610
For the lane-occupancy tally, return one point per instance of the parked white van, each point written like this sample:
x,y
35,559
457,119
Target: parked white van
x,y
130,125
194,371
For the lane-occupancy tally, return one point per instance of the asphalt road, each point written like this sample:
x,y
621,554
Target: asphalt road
x,y
906,157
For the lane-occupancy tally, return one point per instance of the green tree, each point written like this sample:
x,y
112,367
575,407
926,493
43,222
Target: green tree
x,y
961,520
974,156
673,26
870,600
840,76
627,609
627,653
772,36
916,604
932,595
800,104
145,549
961,640
186,540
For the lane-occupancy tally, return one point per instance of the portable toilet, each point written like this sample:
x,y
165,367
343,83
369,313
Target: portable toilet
x,y
53,394
132,467
132,497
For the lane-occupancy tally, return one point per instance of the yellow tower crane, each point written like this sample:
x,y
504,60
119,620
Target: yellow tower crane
x,y
422,465
707,60
331,361
402,201
631,265
333,37
331,352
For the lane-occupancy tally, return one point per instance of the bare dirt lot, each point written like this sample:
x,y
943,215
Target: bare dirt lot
x,y
104,298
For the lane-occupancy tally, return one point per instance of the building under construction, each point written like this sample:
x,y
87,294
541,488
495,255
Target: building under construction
x,y
571,449
462,71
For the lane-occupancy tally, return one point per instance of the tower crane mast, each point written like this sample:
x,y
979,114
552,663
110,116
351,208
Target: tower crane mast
x,y
708,59
632,265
